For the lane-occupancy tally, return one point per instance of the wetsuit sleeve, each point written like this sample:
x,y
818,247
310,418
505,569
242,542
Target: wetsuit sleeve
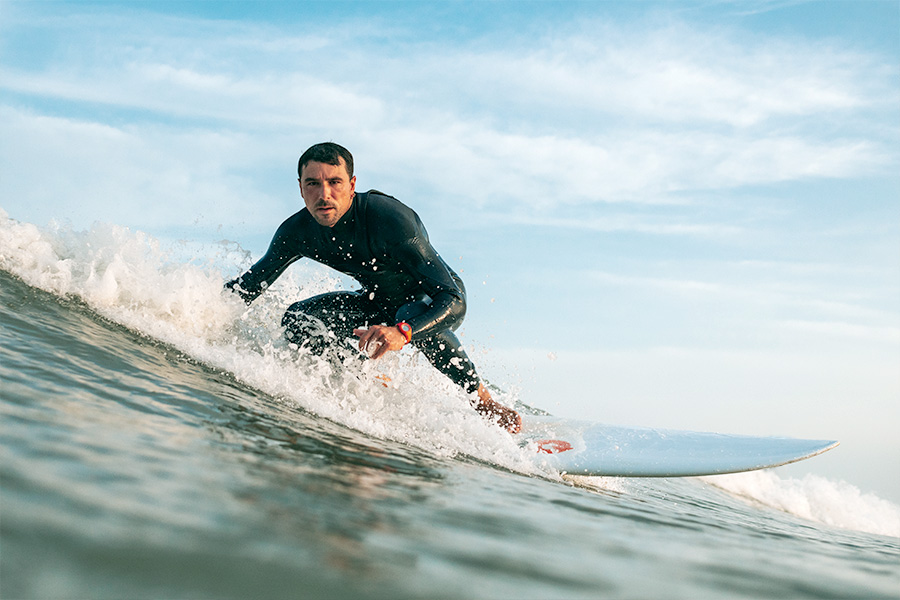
x,y
280,255
448,306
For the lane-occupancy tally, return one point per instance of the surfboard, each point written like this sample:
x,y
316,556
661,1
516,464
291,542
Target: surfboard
x,y
588,448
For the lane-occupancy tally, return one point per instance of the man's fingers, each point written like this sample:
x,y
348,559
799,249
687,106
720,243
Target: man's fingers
x,y
364,335
372,342
380,349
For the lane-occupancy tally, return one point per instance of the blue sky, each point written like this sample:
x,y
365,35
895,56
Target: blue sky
x,y
677,214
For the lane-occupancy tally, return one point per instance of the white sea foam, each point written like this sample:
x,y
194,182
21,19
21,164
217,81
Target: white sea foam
x,y
128,277
597,484
816,498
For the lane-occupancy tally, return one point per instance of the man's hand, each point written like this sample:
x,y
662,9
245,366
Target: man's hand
x,y
377,340
505,417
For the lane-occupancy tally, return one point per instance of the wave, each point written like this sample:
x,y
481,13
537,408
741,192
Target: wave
x,y
174,294
815,498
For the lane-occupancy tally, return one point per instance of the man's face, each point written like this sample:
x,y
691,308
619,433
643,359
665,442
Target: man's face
x,y
327,191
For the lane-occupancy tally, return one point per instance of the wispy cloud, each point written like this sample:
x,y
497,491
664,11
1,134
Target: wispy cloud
x,y
842,329
768,299
669,74
607,113
145,177
623,222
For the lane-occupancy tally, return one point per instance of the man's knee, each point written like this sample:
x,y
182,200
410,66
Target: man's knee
x,y
306,330
321,321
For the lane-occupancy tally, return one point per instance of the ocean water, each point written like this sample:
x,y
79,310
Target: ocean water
x,y
159,440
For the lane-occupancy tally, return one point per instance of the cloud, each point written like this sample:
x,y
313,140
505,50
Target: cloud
x,y
674,73
148,177
878,333
772,305
591,113
624,222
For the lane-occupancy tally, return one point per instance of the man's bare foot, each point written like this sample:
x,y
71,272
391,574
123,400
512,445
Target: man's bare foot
x,y
503,416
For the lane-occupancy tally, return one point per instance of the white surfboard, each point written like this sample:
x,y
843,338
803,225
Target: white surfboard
x,y
588,448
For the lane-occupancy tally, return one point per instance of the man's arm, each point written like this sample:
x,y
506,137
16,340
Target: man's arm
x,y
448,296
448,299
261,275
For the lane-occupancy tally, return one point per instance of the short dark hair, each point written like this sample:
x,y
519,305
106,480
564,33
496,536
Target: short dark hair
x,y
328,153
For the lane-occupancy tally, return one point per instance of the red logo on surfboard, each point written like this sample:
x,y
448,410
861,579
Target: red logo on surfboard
x,y
552,446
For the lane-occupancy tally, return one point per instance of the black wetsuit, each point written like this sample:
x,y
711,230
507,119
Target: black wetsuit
x,y
382,244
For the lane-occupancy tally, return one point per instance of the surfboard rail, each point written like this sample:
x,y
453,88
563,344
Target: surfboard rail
x,y
596,449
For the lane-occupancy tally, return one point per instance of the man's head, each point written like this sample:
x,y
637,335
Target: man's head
x,y
328,153
327,184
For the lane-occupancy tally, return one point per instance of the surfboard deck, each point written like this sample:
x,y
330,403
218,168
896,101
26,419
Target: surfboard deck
x,y
588,448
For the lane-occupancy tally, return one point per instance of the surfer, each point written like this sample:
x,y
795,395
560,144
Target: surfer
x,y
409,294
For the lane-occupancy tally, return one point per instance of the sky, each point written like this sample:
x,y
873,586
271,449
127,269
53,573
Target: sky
x,y
670,214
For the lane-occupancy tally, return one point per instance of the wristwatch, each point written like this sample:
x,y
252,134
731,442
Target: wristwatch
x,y
406,330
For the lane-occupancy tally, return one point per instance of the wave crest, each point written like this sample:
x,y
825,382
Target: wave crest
x,y
816,498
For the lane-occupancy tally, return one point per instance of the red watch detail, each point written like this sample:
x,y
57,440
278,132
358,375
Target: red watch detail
x,y
406,330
